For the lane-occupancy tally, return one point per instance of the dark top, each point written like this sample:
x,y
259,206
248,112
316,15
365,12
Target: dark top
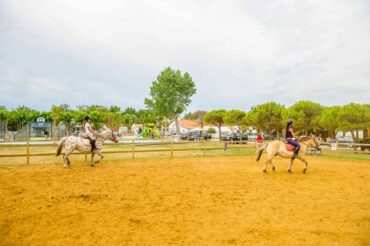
x,y
288,133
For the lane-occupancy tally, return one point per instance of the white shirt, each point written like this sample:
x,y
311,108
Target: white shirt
x,y
87,128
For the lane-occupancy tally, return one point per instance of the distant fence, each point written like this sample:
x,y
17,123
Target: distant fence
x,y
168,146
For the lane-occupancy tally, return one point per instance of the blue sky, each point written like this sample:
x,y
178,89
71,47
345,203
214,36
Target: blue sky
x,y
239,53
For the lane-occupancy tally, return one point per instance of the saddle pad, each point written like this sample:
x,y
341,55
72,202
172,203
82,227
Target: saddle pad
x,y
289,147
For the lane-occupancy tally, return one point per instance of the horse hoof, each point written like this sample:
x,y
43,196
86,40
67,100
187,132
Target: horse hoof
x,y
273,169
264,170
290,171
92,165
304,170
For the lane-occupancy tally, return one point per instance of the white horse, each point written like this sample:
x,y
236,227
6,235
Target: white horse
x,y
279,148
83,145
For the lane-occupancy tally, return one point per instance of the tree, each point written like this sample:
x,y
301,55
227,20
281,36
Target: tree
x,y
197,115
21,116
216,117
354,117
170,94
329,120
235,117
268,116
4,115
306,115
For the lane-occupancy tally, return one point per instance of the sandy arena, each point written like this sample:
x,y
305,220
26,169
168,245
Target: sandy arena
x,y
186,201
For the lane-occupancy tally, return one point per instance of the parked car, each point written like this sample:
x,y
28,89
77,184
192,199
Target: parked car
x,y
183,136
249,136
345,139
198,135
231,137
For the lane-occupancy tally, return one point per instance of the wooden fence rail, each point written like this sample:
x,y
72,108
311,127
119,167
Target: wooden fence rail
x,y
169,148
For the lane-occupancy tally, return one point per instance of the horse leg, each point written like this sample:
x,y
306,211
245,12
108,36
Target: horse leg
x,y
290,165
305,163
92,158
273,167
100,155
269,160
67,162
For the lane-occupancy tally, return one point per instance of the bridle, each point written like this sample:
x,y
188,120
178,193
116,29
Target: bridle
x,y
314,140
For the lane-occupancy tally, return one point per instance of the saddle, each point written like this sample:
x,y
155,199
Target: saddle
x,y
288,146
87,140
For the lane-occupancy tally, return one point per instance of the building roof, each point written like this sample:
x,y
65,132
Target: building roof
x,y
189,124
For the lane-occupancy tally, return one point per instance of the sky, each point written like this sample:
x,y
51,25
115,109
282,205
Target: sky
x,y
239,53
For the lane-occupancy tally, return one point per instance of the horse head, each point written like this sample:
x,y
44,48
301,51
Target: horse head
x,y
310,141
108,133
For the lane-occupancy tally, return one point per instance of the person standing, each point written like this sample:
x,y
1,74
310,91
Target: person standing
x,y
290,138
90,132
259,139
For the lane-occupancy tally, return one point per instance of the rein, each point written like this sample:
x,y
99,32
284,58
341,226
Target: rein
x,y
303,142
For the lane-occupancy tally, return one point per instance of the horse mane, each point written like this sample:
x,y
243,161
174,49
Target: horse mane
x,y
304,138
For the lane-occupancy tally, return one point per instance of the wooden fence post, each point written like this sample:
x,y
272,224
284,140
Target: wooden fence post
x,y
133,149
28,151
204,148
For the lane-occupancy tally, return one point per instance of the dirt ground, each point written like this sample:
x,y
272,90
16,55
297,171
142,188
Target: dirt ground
x,y
186,201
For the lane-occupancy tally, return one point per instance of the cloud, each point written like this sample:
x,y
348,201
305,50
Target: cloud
x,y
239,53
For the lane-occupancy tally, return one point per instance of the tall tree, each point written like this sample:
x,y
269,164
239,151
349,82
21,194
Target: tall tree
x,y
329,120
306,115
354,117
216,117
268,116
170,94
235,117
197,115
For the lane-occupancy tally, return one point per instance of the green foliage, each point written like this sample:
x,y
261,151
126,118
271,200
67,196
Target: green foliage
x,y
211,130
21,116
329,119
216,117
197,115
170,93
235,117
268,116
306,115
353,117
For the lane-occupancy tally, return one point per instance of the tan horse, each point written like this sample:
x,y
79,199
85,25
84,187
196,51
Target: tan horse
x,y
279,148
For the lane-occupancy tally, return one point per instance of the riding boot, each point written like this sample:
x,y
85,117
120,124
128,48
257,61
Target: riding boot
x,y
93,147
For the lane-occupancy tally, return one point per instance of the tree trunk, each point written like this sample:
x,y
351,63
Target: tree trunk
x,y
353,136
219,133
365,134
177,126
278,134
240,131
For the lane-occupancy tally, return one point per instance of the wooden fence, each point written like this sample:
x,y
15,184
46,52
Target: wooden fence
x,y
168,146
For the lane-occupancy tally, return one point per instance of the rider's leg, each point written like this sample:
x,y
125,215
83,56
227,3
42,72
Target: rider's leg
x,y
93,147
296,147
92,142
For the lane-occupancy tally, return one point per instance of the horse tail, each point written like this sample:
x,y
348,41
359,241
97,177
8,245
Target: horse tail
x,y
60,146
260,151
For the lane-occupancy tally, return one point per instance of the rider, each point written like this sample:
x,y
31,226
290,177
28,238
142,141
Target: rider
x,y
289,135
90,132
